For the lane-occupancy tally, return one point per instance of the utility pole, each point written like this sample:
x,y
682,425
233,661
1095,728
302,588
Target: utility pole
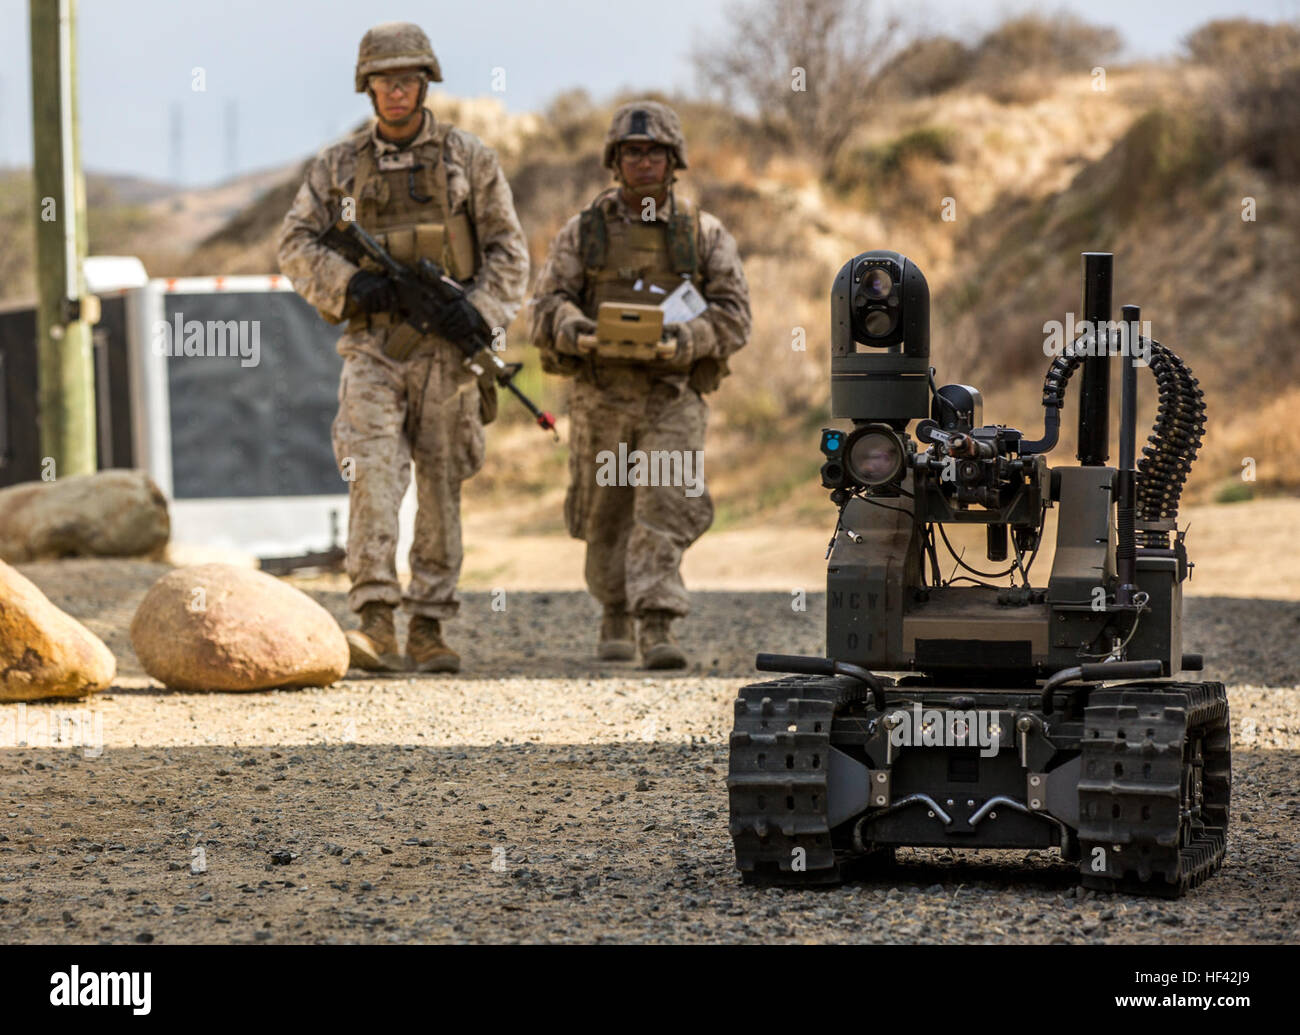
x,y
64,312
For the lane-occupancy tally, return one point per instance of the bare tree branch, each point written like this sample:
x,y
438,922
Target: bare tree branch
x,y
806,68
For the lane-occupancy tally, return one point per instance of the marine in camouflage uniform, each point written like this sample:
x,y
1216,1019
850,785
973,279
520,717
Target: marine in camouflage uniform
x,y
635,243
425,189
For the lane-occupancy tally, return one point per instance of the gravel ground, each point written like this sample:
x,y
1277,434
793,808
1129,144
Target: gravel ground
x,y
542,796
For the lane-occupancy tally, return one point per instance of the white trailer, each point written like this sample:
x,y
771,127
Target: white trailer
x,y
222,388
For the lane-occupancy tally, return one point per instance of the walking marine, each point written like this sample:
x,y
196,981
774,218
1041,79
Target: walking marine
x,y
638,249
407,232
423,189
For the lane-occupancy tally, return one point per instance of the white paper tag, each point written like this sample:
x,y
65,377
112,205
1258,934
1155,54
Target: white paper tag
x,y
684,304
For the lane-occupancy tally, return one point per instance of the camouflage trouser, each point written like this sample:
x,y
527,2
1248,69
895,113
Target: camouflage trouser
x,y
635,534
425,409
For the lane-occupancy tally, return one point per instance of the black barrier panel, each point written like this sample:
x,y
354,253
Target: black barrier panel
x,y
20,446
253,388
20,460
113,385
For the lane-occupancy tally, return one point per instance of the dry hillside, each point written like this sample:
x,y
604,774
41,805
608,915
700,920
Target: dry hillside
x,y
1039,163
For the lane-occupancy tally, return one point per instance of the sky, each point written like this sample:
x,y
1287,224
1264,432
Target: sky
x,y
283,68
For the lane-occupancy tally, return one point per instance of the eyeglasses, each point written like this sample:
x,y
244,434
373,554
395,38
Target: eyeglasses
x,y
636,153
406,82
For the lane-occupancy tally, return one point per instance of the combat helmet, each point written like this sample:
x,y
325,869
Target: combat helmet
x,y
646,120
395,45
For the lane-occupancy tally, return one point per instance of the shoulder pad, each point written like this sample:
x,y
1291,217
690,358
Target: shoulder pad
x,y
361,139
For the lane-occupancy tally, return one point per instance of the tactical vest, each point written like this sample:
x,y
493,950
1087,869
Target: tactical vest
x,y
402,199
618,252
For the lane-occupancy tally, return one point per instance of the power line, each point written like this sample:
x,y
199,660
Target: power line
x,y
176,169
232,137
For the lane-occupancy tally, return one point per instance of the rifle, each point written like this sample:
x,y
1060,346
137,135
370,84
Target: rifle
x,y
424,292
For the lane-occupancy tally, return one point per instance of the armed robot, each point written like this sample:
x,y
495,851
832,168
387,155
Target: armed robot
x,y
1021,716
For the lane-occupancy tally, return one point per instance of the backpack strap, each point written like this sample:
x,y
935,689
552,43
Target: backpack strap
x,y
683,238
593,237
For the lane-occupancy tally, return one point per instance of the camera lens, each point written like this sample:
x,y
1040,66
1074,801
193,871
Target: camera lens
x,y
875,458
877,284
878,323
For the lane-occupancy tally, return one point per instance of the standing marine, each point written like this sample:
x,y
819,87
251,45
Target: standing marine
x,y
637,243
425,189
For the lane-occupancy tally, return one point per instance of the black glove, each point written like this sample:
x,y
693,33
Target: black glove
x,y
372,292
459,321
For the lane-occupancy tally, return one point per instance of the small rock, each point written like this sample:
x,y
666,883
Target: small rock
x,y
222,627
113,513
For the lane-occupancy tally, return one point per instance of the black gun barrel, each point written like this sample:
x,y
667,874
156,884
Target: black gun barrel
x,y
1126,480
1094,394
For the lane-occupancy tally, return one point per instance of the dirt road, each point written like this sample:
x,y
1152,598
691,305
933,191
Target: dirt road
x,y
542,796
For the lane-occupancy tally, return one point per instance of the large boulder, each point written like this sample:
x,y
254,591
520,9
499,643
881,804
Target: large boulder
x,y
116,513
222,627
45,652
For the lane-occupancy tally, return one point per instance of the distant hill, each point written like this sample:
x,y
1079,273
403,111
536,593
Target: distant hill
x,y
131,190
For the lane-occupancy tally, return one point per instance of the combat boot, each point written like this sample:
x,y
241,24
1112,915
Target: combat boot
x,y
658,648
617,642
426,649
373,647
